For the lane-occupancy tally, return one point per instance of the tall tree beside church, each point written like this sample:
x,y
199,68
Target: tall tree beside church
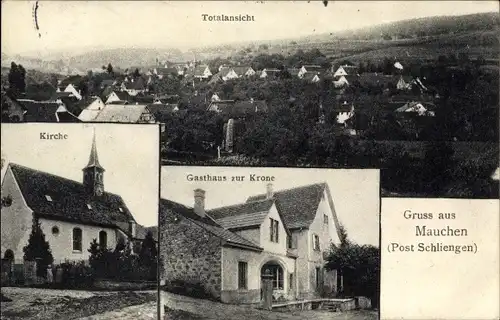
x,y
38,248
17,79
148,256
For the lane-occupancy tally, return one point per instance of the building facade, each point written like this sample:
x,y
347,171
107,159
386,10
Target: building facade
x,y
71,214
226,250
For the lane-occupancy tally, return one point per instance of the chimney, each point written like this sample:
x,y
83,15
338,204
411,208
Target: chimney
x,y
269,191
132,228
199,202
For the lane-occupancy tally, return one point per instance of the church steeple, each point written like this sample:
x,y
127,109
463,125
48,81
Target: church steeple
x,y
93,173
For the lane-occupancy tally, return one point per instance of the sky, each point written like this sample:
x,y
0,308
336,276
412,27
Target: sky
x,y
128,153
355,192
67,25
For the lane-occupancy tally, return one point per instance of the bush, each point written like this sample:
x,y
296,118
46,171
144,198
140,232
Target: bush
x,y
120,264
75,275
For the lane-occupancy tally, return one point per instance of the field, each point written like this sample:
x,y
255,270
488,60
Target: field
x,y
477,43
29,303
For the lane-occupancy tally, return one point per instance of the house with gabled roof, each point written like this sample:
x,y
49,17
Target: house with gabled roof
x,y
162,110
134,86
202,72
416,108
308,68
46,111
71,90
345,70
341,82
227,73
125,113
269,73
91,108
71,213
118,96
244,71
227,249
311,76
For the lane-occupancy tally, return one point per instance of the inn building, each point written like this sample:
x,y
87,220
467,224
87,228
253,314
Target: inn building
x,y
227,249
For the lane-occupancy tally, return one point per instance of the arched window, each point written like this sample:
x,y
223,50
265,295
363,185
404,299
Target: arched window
x,y
77,239
103,239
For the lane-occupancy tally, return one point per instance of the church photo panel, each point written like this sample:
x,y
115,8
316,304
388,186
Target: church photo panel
x,y
80,202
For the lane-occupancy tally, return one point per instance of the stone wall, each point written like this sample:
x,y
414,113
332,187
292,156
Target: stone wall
x,y
189,254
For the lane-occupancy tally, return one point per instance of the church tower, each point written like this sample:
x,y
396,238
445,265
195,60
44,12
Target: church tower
x,y
93,173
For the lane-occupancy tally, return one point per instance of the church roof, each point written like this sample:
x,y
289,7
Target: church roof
x,y
57,198
93,158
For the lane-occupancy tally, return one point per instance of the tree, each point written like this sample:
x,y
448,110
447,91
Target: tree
x,y
359,265
109,69
148,254
38,249
17,79
361,68
136,73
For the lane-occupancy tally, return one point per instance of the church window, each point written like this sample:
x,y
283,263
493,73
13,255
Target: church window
x,y
103,239
77,239
55,230
49,198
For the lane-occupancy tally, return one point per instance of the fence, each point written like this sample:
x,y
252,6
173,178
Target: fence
x,y
7,272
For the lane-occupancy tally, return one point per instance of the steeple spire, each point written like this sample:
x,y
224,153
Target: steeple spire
x,y
93,173
94,159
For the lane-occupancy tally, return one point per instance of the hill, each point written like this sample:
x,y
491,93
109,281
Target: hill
x,y
124,57
424,27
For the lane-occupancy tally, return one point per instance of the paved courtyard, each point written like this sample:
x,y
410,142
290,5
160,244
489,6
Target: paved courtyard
x,y
29,303
185,308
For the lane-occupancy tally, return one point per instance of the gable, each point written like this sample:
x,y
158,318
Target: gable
x,y
340,72
325,207
297,206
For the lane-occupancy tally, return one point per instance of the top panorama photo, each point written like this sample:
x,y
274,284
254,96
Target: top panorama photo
x,y
410,89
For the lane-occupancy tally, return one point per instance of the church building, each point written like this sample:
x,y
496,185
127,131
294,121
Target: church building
x,y
71,213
